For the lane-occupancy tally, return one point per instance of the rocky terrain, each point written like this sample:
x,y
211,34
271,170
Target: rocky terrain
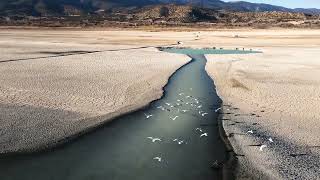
x,y
84,7
164,13
169,16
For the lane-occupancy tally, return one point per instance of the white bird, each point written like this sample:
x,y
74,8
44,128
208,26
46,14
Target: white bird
x,y
148,115
199,106
159,159
271,140
251,132
174,118
154,139
261,147
203,114
204,134
168,104
179,100
161,107
199,129
172,106
187,96
181,94
217,109
179,142
184,110
200,112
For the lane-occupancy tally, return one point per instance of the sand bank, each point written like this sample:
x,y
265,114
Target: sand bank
x,y
43,101
276,95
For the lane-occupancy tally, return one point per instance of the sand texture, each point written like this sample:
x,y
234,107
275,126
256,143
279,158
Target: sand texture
x,y
276,95
45,100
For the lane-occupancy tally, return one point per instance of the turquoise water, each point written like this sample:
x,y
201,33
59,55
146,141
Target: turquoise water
x,y
207,51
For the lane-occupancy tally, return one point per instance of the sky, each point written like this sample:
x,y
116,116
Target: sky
x,y
288,3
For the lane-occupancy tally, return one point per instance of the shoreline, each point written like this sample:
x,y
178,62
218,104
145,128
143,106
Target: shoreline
x,y
240,169
232,162
230,167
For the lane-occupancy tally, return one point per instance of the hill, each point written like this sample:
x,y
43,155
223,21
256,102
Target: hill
x,y
169,16
63,7
83,7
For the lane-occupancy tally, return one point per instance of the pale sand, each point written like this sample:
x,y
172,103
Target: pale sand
x,y
278,96
43,101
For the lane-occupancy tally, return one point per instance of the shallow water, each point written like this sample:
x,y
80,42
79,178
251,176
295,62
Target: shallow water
x,y
121,149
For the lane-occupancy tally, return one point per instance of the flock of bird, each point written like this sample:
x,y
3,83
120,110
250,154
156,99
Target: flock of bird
x,y
183,104
262,146
197,37
270,140
196,105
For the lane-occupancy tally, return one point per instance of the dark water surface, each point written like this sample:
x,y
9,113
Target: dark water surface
x,y
121,150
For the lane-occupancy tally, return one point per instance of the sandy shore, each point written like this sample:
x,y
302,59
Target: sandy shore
x,y
44,100
276,95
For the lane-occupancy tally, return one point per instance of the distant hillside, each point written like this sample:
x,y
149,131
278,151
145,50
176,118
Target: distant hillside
x,y
63,7
170,16
83,7
242,6
307,11
254,7
187,14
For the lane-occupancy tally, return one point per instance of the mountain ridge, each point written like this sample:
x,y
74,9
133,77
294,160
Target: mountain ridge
x,y
170,15
80,7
